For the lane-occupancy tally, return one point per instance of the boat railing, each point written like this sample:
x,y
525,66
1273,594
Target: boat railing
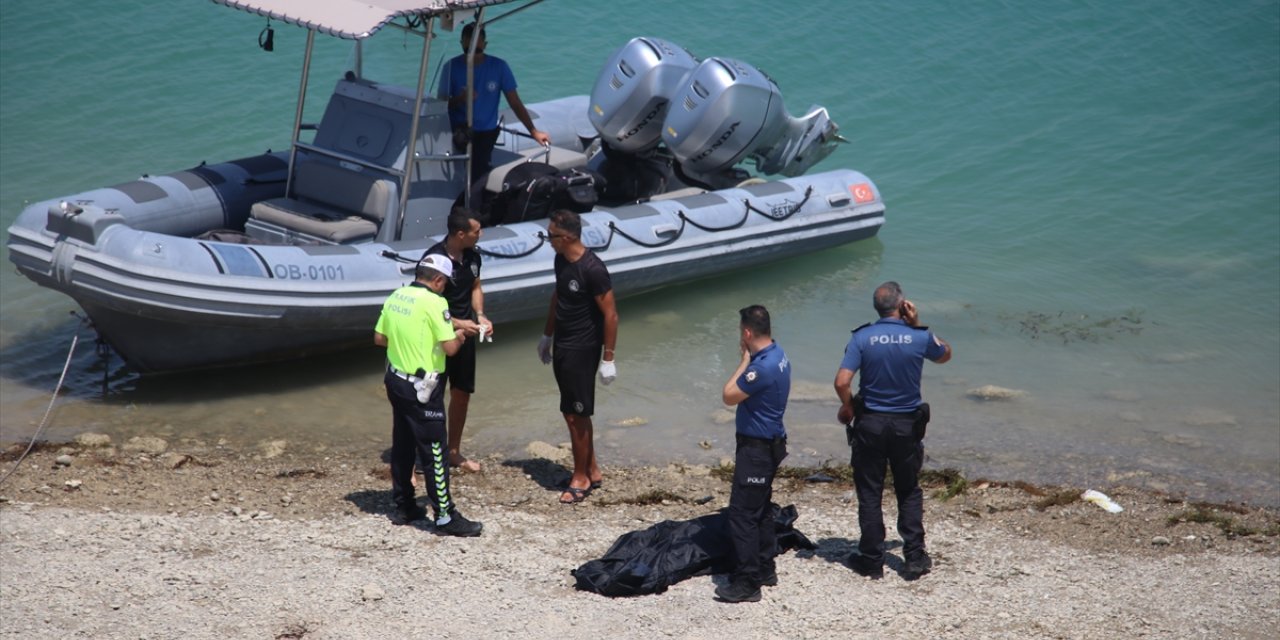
x,y
338,155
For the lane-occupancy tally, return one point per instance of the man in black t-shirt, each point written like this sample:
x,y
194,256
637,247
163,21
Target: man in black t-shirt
x,y
466,305
582,324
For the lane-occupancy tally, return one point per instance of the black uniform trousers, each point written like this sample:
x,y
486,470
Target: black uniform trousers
x,y
418,431
875,439
751,521
482,143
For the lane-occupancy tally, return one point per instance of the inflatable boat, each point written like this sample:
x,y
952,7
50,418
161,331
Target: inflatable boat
x,y
290,253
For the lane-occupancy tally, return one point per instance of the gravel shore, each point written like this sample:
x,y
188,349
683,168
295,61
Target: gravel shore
x,y
167,540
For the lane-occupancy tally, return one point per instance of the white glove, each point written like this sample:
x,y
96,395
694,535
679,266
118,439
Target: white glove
x,y
425,386
544,349
608,372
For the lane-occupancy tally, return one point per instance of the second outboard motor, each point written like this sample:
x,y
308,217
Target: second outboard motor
x,y
728,111
632,92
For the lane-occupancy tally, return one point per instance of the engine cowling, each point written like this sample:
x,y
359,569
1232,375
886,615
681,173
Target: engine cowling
x,y
728,111
632,93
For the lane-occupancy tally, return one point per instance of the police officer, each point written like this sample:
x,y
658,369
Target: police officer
x,y
759,387
888,423
415,328
466,307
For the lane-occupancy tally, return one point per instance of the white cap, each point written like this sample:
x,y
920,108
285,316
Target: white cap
x,y
437,262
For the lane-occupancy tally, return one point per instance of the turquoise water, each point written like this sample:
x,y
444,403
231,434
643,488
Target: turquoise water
x,y
1084,198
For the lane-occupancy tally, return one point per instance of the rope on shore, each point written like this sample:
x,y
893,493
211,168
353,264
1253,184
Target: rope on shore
x,y
45,420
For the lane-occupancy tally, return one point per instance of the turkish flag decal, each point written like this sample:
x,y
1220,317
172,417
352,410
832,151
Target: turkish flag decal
x,y
862,193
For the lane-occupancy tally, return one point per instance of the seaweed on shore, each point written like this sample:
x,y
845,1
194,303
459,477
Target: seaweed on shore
x,y
1228,525
17,450
1076,327
953,482
950,481
656,496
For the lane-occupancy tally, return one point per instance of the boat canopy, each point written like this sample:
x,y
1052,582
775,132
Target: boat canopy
x,y
352,19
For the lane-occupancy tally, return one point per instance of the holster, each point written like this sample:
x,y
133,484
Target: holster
x,y
922,421
859,409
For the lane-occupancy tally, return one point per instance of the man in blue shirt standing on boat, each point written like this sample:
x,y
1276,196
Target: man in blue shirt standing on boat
x,y
759,387
886,421
492,78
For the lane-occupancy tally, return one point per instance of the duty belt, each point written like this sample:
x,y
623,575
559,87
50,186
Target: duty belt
x,y
743,436
402,375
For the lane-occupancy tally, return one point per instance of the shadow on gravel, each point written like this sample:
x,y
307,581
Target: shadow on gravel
x,y
838,550
373,501
549,475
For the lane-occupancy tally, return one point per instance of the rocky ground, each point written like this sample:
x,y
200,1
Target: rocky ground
x,y
157,539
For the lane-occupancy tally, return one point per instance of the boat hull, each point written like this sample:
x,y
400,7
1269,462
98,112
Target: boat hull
x,y
169,303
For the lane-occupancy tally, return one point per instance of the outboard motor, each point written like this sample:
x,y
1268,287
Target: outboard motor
x,y
728,111
632,92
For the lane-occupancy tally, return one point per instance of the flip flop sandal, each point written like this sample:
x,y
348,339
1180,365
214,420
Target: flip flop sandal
x,y
578,495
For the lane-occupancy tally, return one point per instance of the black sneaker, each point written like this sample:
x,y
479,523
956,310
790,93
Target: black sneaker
x,y
864,567
917,566
459,526
403,516
769,575
738,590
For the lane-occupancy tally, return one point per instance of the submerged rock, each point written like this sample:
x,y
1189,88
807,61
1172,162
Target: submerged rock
x,y
540,449
992,392
93,440
635,421
806,391
722,416
1122,395
147,445
1210,418
273,448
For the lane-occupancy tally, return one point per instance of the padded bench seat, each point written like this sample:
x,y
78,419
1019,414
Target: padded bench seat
x,y
331,204
314,220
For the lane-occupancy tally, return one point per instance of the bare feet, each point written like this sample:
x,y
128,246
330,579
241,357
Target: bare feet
x,y
464,464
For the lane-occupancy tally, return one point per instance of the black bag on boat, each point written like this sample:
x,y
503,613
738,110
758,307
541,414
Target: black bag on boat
x,y
579,190
649,561
531,191
528,193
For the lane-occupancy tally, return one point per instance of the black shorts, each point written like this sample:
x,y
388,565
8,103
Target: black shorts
x,y
575,371
460,368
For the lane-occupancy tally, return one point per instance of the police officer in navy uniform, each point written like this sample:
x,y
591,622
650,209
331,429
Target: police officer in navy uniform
x,y
466,306
888,423
415,328
759,387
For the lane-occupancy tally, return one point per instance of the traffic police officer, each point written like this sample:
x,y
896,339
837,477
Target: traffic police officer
x,y
416,330
888,423
759,387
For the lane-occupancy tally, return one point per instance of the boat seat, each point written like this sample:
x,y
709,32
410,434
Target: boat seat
x,y
331,204
560,158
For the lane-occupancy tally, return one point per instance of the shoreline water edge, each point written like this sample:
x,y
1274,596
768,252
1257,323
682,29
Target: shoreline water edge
x,y
155,538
